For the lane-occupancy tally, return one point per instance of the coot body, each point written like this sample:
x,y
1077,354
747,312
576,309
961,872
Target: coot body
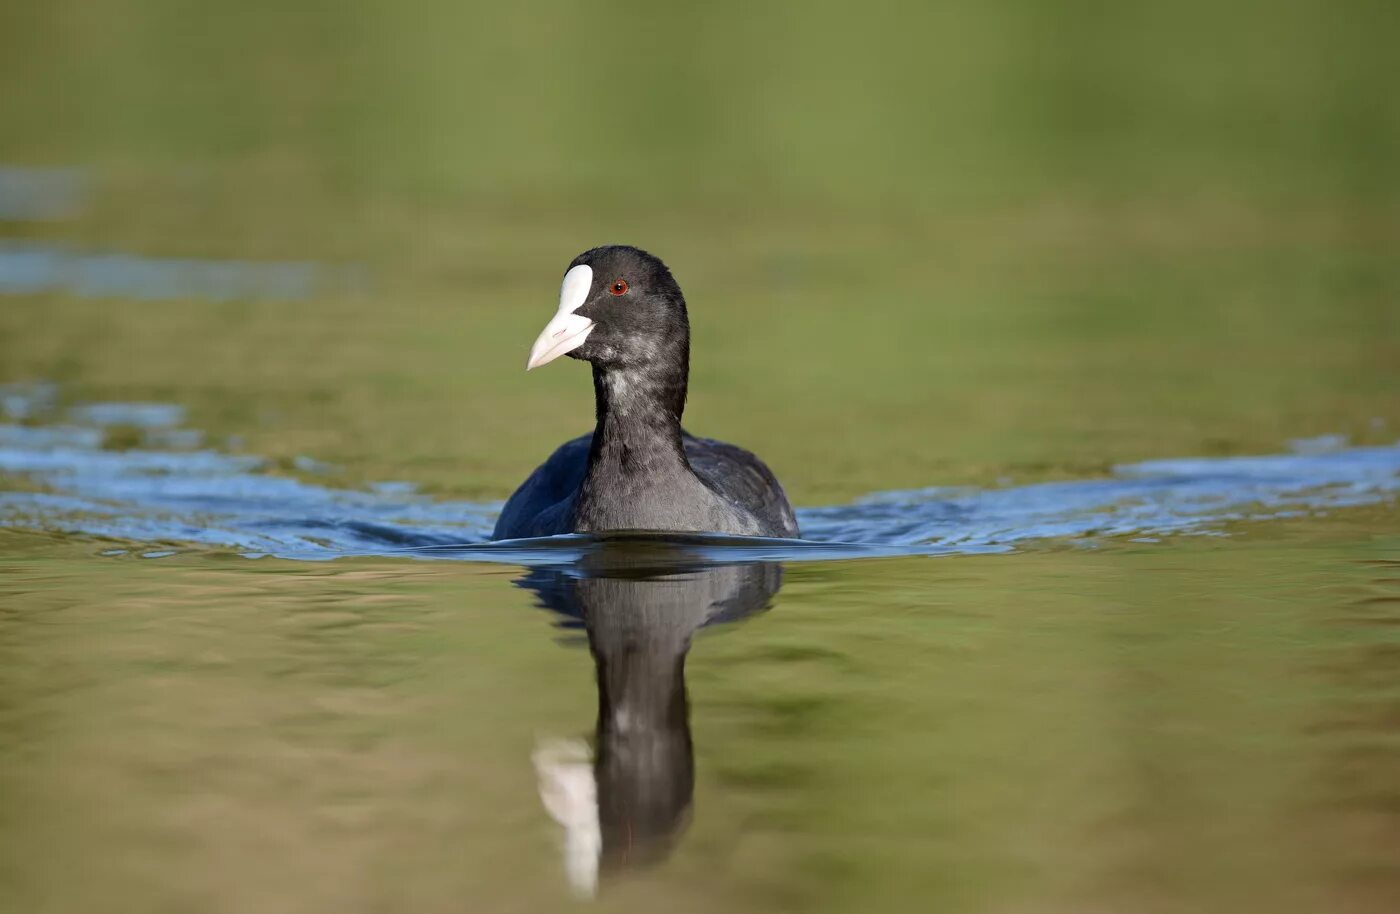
x,y
621,310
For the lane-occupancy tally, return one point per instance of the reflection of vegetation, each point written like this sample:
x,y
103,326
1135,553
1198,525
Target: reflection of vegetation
x,y
1193,725
987,242
11,482
922,101
123,437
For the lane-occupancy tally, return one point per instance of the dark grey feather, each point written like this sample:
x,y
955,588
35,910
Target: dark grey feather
x,y
639,470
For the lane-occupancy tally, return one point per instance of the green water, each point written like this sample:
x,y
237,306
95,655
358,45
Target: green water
x,y
923,244
1193,726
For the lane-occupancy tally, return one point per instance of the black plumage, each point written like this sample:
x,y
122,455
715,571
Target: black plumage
x,y
639,469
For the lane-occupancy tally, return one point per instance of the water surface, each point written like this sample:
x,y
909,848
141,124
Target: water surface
x,y
1071,329
229,689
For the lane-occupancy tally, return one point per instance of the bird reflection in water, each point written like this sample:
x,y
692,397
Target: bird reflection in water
x,y
625,803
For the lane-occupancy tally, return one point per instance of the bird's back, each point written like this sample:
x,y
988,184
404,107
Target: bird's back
x,y
543,505
742,478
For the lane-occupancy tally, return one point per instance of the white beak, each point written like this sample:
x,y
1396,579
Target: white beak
x,y
566,331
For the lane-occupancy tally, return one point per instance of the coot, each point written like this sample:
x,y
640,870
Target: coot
x,y
620,309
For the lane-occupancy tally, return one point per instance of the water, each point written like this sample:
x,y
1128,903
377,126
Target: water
x,y
1070,328
200,496
226,672
31,269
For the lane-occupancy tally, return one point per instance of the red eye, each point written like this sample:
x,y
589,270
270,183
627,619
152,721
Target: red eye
x,y
618,287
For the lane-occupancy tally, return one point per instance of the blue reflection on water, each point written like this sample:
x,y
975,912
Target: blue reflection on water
x,y
167,493
30,269
41,194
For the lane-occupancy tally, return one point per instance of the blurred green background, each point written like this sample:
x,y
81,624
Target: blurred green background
x,y
922,242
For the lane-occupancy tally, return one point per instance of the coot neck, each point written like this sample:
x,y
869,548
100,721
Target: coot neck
x,y
639,419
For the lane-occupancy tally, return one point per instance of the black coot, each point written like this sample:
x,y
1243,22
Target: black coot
x,y
620,309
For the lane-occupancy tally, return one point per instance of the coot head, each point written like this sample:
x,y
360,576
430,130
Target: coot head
x,y
618,308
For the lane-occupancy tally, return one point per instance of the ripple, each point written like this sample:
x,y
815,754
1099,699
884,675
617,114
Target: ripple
x,y
211,499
